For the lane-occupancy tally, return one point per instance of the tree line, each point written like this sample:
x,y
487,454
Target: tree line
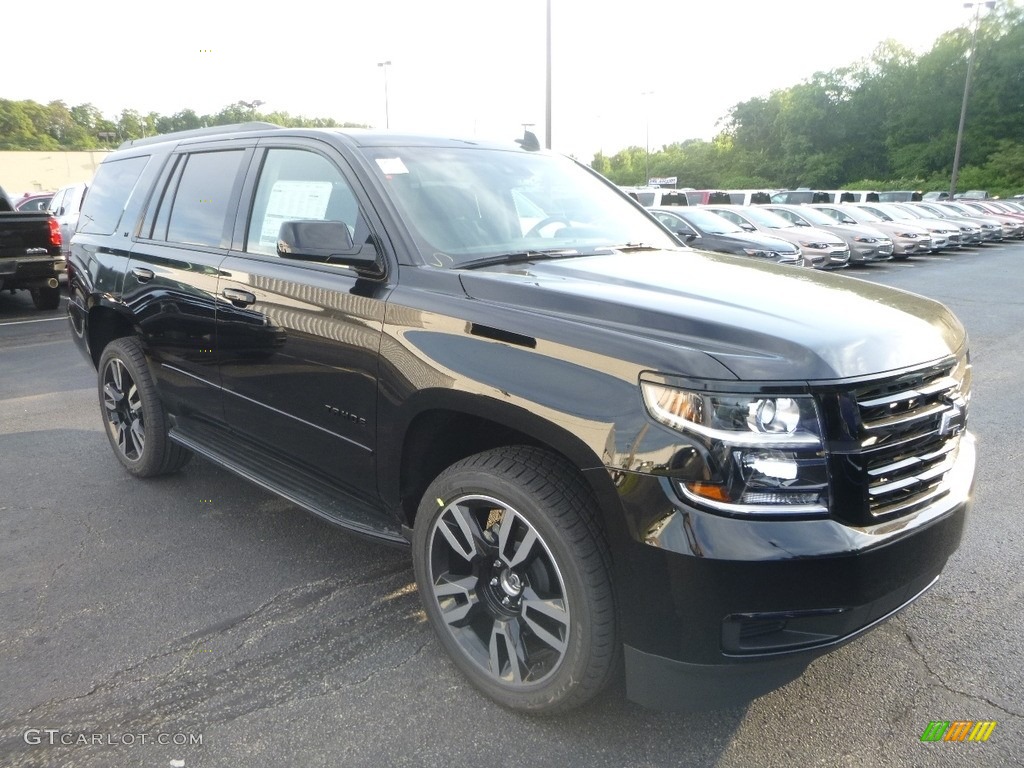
x,y
28,125
887,122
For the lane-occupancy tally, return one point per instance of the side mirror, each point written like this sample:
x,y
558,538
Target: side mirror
x,y
321,241
687,235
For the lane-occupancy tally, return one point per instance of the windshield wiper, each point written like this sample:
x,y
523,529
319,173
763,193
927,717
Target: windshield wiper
x,y
517,257
629,247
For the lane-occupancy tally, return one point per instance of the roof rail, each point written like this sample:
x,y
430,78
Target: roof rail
x,y
213,130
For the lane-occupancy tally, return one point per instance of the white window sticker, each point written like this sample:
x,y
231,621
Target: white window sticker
x,y
291,201
391,166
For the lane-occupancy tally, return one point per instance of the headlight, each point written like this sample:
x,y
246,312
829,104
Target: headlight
x,y
816,246
745,454
861,239
910,235
760,253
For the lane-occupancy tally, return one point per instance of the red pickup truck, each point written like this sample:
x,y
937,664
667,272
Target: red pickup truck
x,y
30,254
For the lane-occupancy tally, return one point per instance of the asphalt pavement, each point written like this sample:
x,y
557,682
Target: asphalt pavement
x,y
197,620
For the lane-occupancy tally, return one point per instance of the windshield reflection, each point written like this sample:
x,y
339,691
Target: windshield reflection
x,y
462,204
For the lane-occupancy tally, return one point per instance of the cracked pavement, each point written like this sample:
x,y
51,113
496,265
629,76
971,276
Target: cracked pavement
x,y
200,605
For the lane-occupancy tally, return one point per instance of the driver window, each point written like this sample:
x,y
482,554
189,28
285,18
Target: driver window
x,y
296,184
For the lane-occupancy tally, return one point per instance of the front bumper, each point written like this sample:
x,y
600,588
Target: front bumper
x,y
720,610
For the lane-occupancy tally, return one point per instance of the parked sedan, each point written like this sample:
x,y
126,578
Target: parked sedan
x,y
64,207
33,203
972,231
1009,228
700,228
907,239
822,250
866,244
944,233
997,208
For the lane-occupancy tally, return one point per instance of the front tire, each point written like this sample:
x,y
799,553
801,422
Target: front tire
x,y
514,574
134,418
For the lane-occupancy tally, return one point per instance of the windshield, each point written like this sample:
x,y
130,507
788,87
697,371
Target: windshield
x,y
710,222
911,212
882,214
861,215
815,217
764,218
466,203
936,212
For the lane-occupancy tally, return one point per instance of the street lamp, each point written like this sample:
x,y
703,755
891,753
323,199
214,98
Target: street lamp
x,y
387,116
647,139
547,90
967,89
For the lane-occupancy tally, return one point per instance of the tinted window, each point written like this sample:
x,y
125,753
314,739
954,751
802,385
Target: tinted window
x,y
111,189
298,185
200,208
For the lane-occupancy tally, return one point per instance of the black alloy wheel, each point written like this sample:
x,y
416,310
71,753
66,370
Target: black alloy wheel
x,y
514,575
132,413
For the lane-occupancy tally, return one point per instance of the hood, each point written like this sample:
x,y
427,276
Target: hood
x,y
859,230
800,234
763,322
761,239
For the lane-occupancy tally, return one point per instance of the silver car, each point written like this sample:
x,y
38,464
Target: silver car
x,y
1007,228
907,239
972,231
64,207
822,250
866,243
944,234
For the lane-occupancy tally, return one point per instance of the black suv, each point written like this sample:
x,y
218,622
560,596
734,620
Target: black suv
x,y
596,443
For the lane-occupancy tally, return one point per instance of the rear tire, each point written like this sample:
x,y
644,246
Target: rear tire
x,y
46,297
133,415
514,574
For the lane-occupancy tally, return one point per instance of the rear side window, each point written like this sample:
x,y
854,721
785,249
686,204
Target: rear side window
x,y
199,212
110,192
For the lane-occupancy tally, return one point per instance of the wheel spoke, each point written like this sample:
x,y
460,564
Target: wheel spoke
x,y
506,653
466,545
138,435
554,612
522,549
456,597
111,397
115,372
122,436
134,400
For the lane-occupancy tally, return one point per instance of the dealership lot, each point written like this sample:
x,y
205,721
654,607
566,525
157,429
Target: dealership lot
x,y
198,608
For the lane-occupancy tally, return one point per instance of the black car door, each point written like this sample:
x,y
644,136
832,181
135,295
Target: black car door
x,y
300,338
171,280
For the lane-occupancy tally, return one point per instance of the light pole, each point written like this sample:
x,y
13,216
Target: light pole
x,y
547,90
967,90
387,116
647,138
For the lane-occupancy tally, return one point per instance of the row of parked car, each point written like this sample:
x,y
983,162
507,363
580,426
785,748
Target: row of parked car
x,y
834,235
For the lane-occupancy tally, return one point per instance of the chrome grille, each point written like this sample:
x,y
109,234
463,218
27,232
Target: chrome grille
x,y
910,435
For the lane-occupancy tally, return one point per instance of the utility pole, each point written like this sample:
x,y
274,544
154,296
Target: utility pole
x,y
967,90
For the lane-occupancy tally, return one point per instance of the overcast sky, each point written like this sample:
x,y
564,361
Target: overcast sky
x,y
622,71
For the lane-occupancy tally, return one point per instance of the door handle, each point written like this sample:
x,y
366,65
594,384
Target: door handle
x,y
237,297
142,274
